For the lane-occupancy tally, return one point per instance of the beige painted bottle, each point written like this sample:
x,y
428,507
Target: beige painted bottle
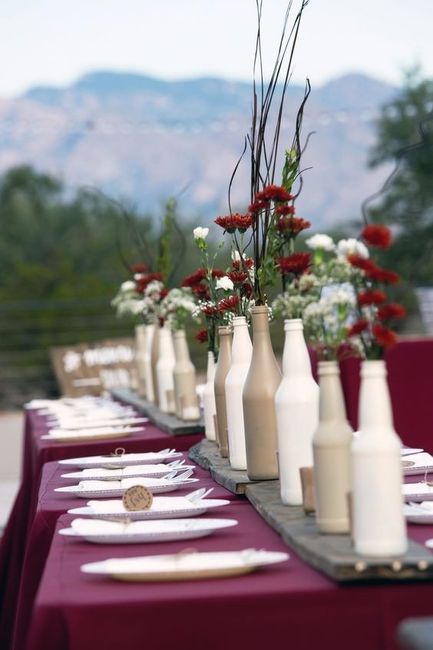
x,y
331,452
140,351
258,399
185,392
222,368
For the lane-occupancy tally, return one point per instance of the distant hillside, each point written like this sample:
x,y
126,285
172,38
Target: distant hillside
x,y
142,139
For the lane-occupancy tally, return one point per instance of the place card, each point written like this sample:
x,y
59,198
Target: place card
x,y
137,497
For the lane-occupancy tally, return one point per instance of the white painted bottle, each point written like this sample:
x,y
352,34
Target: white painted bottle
x,y
164,371
209,407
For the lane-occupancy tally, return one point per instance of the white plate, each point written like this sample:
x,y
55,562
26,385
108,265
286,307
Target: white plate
x,y
110,532
123,460
407,451
64,435
419,513
91,423
421,463
112,474
162,508
112,489
184,566
417,492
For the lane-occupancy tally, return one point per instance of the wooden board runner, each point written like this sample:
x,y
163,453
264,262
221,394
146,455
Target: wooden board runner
x,y
169,423
333,554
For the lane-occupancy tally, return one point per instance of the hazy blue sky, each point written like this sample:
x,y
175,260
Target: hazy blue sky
x,y
56,41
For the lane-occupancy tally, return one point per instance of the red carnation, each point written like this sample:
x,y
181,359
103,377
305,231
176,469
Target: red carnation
x,y
384,336
247,263
371,297
362,263
218,273
247,290
237,277
209,310
383,275
377,235
140,268
200,290
296,263
234,222
228,304
201,336
258,206
292,225
284,210
393,310
226,223
274,193
194,278
359,326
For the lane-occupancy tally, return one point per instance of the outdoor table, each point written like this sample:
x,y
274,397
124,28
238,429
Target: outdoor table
x,y
38,451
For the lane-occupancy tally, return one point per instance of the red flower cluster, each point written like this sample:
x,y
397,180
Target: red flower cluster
x,y
371,297
274,193
384,336
228,304
358,327
377,235
258,206
372,271
201,290
296,263
194,278
292,225
140,268
234,222
247,263
284,210
237,277
145,279
209,310
201,336
390,311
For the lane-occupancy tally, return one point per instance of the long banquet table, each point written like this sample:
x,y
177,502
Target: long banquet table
x,y
37,451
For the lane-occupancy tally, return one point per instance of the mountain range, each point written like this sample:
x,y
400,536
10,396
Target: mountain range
x,y
141,139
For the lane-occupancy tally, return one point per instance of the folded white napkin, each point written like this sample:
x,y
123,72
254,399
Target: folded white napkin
x,y
123,484
160,504
101,527
417,488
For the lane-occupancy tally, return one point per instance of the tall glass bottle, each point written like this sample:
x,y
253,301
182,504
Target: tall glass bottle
x,y
258,401
222,368
297,407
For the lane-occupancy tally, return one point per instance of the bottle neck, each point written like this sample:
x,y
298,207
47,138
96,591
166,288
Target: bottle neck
x,y
242,347
331,399
181,346
375,410
296,360
225,351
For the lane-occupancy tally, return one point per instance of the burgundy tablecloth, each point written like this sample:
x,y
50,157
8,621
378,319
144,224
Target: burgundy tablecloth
x,y
37,452
290,605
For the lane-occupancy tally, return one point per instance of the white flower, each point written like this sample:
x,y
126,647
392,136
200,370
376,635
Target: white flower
x,y
236,256
352,246
200,233
225,283
324,242
129,285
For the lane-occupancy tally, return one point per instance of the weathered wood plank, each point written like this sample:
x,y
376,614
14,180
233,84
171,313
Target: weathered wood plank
x,y
334,554
169,423
207,455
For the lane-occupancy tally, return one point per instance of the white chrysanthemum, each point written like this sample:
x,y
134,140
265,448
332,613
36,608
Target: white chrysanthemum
x,y
308,281
320,241
200,233
129,285
351,246
224,283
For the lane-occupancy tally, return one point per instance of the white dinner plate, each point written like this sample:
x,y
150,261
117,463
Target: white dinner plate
x,y
112,474
421,463
419,513
418,492
91,423
76,435
166,530
184,566
161,508
123,460
113,489
407,451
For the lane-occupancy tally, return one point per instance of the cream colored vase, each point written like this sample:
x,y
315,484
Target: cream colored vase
x,y
297,407
258,400
209,407
331,452
147,363
222,368
140,352
242,350
154,360
164,371
378,521
185,393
